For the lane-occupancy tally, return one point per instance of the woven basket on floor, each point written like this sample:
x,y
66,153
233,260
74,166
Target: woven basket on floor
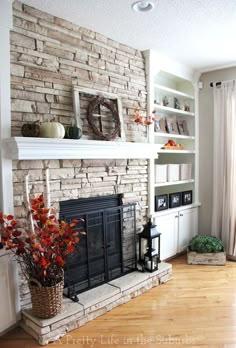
x,y
46,301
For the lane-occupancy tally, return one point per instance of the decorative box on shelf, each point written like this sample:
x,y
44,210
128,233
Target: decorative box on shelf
x,y
185,171
173,172
160,173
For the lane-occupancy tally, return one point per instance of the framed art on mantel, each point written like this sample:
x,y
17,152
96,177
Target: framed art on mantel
x,y
98,114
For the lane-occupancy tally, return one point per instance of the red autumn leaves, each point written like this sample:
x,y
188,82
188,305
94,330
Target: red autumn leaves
x,y
49,245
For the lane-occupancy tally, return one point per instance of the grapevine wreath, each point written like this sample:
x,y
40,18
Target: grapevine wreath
x,y
95,102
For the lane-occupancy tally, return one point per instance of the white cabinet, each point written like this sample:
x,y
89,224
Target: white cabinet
x,y
176,228
167,225
187,227
9,300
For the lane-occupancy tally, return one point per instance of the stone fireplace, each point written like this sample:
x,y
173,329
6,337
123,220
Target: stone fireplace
x,y
77,179
71,180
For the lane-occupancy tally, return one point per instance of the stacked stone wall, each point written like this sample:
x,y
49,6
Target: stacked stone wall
x,y
48,57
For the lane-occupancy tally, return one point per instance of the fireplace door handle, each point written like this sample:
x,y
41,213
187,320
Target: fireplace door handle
x,y
107,246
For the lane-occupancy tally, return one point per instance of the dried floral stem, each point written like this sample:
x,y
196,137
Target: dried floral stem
x,y
47,195
27,203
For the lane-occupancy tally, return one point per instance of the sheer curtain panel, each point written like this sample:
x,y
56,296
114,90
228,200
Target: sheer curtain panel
x,y
224,166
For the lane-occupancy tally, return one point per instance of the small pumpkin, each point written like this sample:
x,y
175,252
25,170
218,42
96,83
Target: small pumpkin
x,y
52,130
31,129
73,132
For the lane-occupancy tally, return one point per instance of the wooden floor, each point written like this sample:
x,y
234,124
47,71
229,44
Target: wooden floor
x,y
197,308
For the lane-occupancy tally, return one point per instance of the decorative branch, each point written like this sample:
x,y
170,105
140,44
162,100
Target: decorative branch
x,y
47,195
27,203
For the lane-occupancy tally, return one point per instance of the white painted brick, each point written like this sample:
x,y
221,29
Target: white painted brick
x,y
96,180
110,178
17,5
62,173
96,169
117,170
21,40
39,14
17,70
23,106
43,108
97,174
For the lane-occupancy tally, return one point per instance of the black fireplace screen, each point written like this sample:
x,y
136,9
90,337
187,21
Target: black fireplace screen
x,y
108,250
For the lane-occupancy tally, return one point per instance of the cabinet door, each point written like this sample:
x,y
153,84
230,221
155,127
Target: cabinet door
x,y
167,225
188,227
8,317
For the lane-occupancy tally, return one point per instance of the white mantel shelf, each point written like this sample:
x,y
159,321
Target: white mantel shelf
x,y
20,148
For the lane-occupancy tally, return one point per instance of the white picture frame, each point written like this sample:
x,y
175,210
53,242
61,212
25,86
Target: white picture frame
x,y
77,91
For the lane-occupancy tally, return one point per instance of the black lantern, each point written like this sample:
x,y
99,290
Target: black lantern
x,y
149,247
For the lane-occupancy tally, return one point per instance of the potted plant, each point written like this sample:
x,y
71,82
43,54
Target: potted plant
x,y
42,249
206,250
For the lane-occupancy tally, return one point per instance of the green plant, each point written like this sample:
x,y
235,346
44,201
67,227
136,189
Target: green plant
x,y
205,244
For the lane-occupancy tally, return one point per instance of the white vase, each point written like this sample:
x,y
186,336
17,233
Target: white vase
x,y
140,134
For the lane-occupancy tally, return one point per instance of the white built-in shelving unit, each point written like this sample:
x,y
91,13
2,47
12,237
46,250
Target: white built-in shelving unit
x,y
172,93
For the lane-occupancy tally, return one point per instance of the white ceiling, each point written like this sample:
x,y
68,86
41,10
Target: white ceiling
x,y
198,33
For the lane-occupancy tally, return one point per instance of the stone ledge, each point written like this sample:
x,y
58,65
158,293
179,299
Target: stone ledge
x,y
93,303
95,297
69,308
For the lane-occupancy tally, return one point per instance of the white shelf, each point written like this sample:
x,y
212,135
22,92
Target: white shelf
x,y
175,210
176,151
22,148
167,109
173,91
169,135
171,183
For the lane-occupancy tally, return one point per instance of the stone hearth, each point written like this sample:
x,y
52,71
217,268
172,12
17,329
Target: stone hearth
x,y
93,303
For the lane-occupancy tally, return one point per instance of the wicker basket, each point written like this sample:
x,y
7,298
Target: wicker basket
x,y
46,301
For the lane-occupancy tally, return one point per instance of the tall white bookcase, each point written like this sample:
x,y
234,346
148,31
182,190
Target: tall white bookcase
x,y
173,94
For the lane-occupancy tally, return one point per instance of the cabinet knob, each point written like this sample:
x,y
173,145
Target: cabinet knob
x,y
181,214
176,216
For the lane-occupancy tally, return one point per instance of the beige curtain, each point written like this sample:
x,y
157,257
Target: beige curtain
x,y
224,166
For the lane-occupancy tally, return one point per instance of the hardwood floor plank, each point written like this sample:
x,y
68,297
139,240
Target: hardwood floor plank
x,y
197,308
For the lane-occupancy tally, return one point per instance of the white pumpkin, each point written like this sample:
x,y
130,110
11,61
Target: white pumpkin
x,y
52,130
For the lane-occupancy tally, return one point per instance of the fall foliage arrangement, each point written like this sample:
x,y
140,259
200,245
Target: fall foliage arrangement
x,y
138,119
42,252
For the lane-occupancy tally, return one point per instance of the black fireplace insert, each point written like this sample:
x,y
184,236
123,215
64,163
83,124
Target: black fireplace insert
x,y
108,250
